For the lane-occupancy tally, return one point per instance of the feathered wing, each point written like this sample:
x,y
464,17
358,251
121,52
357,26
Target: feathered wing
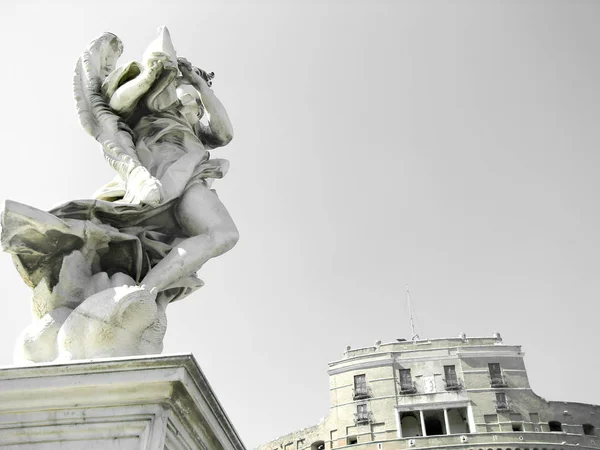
x,y
97,118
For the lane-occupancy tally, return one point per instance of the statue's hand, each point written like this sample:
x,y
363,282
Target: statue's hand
x,y
143,187
194,75
156,63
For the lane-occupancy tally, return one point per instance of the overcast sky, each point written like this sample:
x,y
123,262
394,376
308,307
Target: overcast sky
x,y
451,145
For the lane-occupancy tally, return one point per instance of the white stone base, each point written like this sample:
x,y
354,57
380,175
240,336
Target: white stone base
x,y
150,403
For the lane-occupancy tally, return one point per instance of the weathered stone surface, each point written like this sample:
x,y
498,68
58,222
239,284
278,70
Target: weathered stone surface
x,y
149,403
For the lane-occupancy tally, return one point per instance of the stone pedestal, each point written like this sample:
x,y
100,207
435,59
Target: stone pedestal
x,y
150,403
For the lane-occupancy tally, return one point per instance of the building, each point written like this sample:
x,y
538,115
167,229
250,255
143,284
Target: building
x,y
458,393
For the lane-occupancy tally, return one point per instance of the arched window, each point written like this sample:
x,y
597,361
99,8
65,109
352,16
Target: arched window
x,y
589,429
411,427
318,445
555,425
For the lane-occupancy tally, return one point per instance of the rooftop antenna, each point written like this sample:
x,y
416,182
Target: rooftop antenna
x,y
415,336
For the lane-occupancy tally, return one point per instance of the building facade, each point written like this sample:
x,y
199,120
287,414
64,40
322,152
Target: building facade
x,y
458,393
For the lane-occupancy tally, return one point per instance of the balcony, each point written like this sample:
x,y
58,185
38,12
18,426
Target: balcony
x,y
408,388
454,385
499,440
498,382
502,405
362,417
361,391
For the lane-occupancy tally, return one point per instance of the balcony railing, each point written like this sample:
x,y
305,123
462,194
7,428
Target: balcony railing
x,y
362,417
454,385
502,405
408,388
498,382
361,391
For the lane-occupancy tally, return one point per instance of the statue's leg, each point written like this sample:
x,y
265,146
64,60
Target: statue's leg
x,y
212,232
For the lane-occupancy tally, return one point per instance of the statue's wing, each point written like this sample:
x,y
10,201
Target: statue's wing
x,y
94,112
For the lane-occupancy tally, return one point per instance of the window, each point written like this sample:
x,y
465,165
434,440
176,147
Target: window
x,y
410,425
433,422
362,414
451,380
502,402
517,421
490,418
458,422
589,429
534,417
360,387
555,426
352,440
406,384
496,375
450,373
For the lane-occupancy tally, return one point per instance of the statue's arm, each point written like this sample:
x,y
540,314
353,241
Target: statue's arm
x,y
126,96
219,131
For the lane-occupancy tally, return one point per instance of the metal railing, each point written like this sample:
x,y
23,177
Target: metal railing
x,y
502,405
361,391
406,388
498,381
363,417
454,384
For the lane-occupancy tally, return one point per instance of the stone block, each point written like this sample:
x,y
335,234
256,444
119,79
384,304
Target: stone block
x,y
149,403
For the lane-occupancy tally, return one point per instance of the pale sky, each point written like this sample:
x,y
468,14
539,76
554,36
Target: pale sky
x,y
451,145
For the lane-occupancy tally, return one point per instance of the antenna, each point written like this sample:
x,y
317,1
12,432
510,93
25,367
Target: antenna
x,y
415,336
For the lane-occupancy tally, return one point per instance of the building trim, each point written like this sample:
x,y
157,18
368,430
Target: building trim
x,y
465,349
491,389
486,371
382,379
398,358
432,406
343,386
489,354
362,365
364,400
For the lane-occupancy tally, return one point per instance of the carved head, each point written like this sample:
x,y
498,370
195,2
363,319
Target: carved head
x,y
104,53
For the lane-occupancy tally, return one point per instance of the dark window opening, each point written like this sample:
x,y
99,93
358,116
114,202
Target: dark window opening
x,y
360,387
517,427
433,426
589,429
406,384
502,403
319,445
555,426
352,440
451,380
497,379
362,414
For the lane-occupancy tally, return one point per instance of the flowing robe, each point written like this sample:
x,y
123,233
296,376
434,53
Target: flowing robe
x,y
135,236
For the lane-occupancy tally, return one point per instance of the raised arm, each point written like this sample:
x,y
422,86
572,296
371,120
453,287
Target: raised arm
x,y
124,97
219,131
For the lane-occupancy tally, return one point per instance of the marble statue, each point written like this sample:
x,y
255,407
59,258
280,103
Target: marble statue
x,y
103,270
